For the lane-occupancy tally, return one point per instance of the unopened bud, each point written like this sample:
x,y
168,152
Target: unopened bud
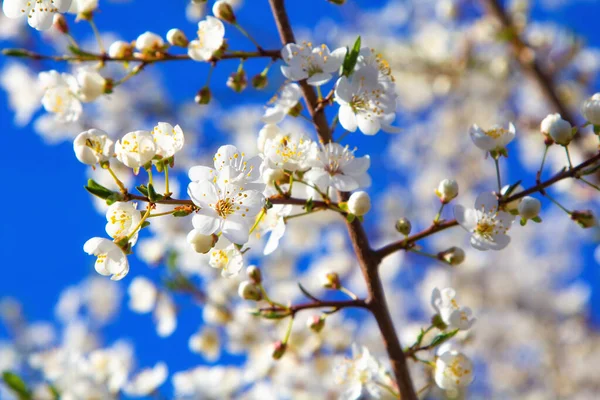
x,y
120,49
238,81
404,226
447,190
249,291
331,280
60,23
529,207
176,37
359,203
316,323
438,322
259,81
279,349
201,243
224,11
453,256
254,274
585,219
203,96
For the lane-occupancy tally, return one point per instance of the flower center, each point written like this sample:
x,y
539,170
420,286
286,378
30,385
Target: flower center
x,y
495,133
219,259
224,207
485,228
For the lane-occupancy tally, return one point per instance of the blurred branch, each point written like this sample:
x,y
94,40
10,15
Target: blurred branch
x,y
335,305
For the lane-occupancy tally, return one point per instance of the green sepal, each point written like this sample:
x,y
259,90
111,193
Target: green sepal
x,y
523,221
98,190
441,338
152,195
17,385
145,224
268,204
181,213
351,58
309,205
438,322
142,189
350,218
536,219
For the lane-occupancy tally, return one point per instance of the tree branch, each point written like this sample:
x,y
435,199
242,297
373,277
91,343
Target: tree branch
x,y
368,260
335,304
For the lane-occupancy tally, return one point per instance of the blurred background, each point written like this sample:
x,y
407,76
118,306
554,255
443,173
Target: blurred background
x,y
537,302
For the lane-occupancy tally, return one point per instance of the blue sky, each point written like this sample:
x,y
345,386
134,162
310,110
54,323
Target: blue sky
x,y
47,216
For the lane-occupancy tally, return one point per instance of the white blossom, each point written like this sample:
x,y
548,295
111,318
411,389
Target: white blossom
x,y
315,64
93,147
486,223
207,343
453,370
287,150
83,6
358,374
591,109
119,49
111,261
91,84
559,130
229,260
282,104
61,95
136,149
149,42
493,139
335,165
211,33
142,295
168,139
123,219
199,242
454,316
273,223
147,381
39,13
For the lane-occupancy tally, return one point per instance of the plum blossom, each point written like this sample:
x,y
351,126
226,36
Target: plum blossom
x,y
93,147
111,260
61,95
123,219
454,316
211,33
142,295
287,150
229,260
591,109
169,140
273,223
80,7
336,166
359,374
282,104
316,64
147,381
136,149
486,223
149,42
453,370
493,139
91,84
207,343
40,13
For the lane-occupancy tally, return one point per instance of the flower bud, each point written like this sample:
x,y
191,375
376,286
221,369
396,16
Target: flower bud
x,y
453,255
529,207
591,109
438,322
359,203
203,96
316,323
559,130
91,84
585,219
238,81
149,42
199,242
254,274
249,291
259,81
279,349
224,11
60,23
447,190
176,37
404,226
513,205
120,49
331,280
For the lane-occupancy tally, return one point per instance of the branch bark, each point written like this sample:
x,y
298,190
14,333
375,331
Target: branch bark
x,y
368,259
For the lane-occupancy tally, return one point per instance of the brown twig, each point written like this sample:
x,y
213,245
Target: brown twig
x,y
335,304
368,260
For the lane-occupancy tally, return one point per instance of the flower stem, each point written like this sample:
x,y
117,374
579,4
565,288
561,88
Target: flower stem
x,y
590,183
258,219
439,214
348,292
120,184
496,163
568,157
161,214
149,170
543,161
139,225
167,192
289,330
319,93
422,253
245,33
558,204
97,35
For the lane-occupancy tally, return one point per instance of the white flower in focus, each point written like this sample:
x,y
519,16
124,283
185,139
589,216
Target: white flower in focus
x,y
149,42
40,13
206,342
123,218
487,224
529,207
142,295
136,149
147,381
288,151
559,130
165,315
211,33
168,139
335,165
316,64
93,147
80,7
231,166
273,223
91,84
357,374
282,104
591,109
228,260
453,370
456,317
60,96
494,139
359,203
111,260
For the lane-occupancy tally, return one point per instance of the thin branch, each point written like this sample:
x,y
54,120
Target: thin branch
x,y
335,304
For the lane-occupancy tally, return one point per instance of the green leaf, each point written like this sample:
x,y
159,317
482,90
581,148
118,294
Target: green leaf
x,y
351,58
152,195
113,198
145,224
142,189
15,52
310,205
98,190
16,384
439,339
597,129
